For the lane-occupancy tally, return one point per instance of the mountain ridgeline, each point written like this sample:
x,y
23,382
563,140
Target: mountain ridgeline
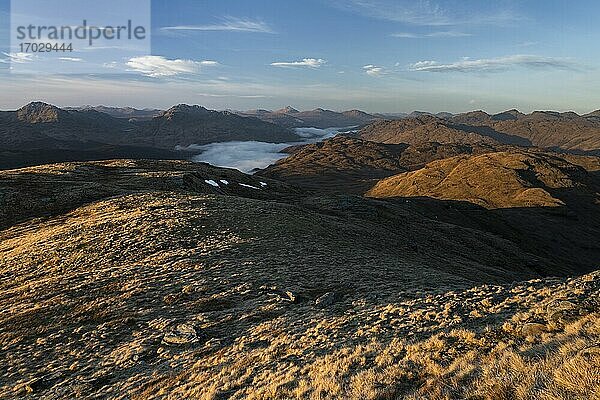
x,y
317,118
545,129
40,133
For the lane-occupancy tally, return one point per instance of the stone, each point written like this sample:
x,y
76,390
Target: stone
x,y
290,296
533,329
562,305
170,299
183,334
326,300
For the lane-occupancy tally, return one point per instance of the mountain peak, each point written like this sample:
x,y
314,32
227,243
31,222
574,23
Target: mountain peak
x,y
419,113
355,113
39,112
508,115
182,109
287,110
186,108
477,112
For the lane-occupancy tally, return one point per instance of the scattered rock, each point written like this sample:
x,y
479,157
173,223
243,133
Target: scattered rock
x,y
32,386
183,334
590,352
170,299
213,343
257,344
291,297
326,300
533,329
562,312
188,289
559,306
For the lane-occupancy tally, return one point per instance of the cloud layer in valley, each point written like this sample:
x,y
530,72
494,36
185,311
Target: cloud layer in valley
x,y
245,156
248,156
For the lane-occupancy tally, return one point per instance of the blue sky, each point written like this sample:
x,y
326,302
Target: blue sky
x,y
375,55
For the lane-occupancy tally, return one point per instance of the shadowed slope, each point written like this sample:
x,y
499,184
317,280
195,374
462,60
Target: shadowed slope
x,y
340,164
544,129
52,189
566,131
183,125
432,129
350,165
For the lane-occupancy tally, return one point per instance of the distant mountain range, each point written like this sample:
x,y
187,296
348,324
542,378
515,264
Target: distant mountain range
x,y
183,125
122,112
320,118
41,133
547,129
509,159
317,118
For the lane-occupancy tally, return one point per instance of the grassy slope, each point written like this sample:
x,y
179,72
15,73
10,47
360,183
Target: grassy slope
x,y
164,287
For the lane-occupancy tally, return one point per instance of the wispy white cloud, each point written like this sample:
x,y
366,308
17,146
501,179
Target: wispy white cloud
x,y
71,59
239,96
305,62
449,34
373,70
231,24
428,12
495,64
18,58
158,66
439,34
111,65
527,44
407,35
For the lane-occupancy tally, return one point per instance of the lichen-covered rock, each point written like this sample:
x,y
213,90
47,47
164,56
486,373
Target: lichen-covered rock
x,y
326,300
182,334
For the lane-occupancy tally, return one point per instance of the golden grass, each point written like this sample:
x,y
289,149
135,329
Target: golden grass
x,y
497,362
88,300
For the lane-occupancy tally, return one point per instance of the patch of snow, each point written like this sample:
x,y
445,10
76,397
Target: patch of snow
x,y
248,186
211,182
224,182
